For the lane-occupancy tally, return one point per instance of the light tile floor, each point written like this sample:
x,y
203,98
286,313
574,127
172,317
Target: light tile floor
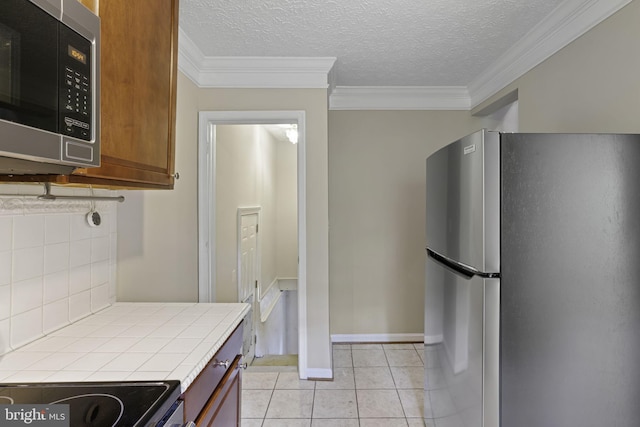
x,y
375,385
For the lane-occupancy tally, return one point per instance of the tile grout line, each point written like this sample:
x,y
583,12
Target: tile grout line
x,y
355,385
270,399
313,403
395,385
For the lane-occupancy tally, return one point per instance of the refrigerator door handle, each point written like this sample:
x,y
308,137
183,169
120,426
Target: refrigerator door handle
x,y
459,268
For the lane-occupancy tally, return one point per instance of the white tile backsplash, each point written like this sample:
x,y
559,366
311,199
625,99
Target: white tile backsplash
x,y
26,295
5,301
26,327
55,315
28,263
99,273
80,252
56,257
80,229
100,248
79,279
6,228
54,267
99,297
5,267
28,231
56,286
57,229
79,305
5,332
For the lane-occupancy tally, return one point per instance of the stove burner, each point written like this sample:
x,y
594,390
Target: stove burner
x,y
122,404
97,409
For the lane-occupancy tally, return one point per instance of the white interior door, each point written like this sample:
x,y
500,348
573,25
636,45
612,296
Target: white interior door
x,y
248,271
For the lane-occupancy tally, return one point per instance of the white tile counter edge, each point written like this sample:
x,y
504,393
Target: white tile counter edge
x,y
128,324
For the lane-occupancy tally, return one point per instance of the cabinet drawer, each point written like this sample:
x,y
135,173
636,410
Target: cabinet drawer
x,y
205,384
223,408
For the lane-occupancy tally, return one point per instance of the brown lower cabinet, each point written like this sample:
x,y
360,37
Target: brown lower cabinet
x,y
213,399
223,409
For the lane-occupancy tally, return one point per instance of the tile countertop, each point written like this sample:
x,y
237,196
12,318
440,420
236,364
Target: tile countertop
x,y
130,342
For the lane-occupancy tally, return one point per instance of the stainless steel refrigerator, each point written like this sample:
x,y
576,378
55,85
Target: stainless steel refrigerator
x,y
532,308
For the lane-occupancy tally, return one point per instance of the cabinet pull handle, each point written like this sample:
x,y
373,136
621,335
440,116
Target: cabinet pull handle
x,y
226,363
176,175
243,365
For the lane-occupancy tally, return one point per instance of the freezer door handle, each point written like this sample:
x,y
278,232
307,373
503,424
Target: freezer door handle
x,y
459,268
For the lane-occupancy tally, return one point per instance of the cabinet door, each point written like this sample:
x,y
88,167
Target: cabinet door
x,y
223,409
138,91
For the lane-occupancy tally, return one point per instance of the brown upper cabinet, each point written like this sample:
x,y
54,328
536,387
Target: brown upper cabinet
x,y
139,64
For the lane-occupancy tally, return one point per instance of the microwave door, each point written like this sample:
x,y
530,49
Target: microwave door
x,y
28,65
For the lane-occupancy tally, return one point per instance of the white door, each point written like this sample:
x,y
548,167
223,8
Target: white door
x,y
248,272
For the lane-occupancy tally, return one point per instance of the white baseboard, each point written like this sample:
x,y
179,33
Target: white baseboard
x,y
433,339
319,374
377,338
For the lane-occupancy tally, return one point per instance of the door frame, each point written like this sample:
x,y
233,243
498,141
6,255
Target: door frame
x,y
207,121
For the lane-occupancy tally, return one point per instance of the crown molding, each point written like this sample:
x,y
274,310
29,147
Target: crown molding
x,y
266,72
252,71
570,20
190,57
399,98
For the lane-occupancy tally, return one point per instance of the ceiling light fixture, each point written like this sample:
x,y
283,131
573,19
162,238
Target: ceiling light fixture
x,y
292,134
290,131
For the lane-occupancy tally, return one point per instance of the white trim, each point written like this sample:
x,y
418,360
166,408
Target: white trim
x,y
262,294
319,373
265,72
270,302
400,98
377,338
570,20
252,71
206,205
433,339
206,210
303,357
189,57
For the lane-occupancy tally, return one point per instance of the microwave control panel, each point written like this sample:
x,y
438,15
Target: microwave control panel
x,y
75,101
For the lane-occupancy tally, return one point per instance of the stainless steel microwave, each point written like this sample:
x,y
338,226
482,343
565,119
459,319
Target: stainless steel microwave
x,y
49,87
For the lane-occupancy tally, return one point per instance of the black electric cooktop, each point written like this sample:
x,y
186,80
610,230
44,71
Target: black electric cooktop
x,y
104,404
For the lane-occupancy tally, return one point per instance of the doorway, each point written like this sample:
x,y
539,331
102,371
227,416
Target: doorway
x,y
211,288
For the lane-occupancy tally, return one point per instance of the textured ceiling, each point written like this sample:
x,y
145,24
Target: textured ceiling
x,y
376,42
